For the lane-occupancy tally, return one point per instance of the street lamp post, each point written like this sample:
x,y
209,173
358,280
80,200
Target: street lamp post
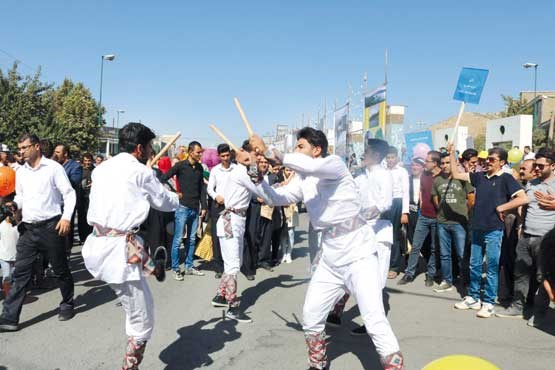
x,y
535,66
119,111
108,57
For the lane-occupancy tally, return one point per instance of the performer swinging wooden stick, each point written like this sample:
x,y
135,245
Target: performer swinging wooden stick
x,y
123,190
349,260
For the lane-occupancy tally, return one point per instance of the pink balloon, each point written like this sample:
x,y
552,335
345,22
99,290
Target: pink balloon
x,y
420,150
210,157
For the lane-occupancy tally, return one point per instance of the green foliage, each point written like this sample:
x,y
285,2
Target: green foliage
x,y
515,106
480,142
67,113
539,138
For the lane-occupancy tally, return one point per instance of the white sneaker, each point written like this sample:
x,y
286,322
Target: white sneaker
x,y
468,303
486,311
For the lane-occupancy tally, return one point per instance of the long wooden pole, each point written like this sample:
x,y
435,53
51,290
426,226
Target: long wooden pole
x,y
456,130
243,117
164,149
223,137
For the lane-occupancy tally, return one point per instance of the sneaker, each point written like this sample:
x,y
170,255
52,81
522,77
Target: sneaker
x,y
511,311
177,275
486,311
405,280
193,271
218,275
429,282
67,314
444,287
286,259
266,266
333,320
7,325
219,301
250,277
468,303
234,313
361,330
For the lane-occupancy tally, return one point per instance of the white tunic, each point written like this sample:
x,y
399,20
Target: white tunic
x,y
8,241
400,178
122,192
376,191
218,180
329,192
239,188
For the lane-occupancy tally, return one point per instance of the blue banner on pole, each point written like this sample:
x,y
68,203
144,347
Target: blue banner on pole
x,y
470,85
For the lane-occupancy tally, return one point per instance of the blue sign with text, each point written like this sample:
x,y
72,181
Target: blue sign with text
x,y
470,85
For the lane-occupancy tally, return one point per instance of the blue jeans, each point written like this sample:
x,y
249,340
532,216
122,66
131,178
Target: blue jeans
x,y
491,242
424,226
448,233
184,216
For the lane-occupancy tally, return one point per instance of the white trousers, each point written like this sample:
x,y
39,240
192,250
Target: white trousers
x,y
232,248
384,255
136,300
362,279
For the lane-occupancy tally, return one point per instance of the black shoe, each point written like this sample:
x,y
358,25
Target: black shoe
x,y
7,325
250,277
266,266
429,282
218,275
361,330
160,260
66,314
405,280
333,320
234,313
219,301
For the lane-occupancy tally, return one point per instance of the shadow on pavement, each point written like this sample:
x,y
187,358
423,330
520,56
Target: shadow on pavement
x,y
251,295
196,342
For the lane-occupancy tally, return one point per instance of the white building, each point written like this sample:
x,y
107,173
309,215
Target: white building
x,y
444,135
509,132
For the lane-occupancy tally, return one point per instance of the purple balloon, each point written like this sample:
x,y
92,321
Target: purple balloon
x,y
210,157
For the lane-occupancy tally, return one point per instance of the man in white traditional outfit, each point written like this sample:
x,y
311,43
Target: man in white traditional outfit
x,y
123,190
237,193
375,188
349,258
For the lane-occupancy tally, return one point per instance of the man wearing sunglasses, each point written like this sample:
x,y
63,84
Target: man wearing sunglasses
x,y
537,223
496,193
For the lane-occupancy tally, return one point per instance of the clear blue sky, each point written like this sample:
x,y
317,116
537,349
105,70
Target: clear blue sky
x,y
179,63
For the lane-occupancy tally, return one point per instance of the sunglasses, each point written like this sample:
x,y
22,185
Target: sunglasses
x,y
492,159
540,166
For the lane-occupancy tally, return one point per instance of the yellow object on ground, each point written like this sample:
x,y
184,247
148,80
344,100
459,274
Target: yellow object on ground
x,y
460,362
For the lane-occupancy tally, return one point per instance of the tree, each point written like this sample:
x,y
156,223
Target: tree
x,y
514,106
480,142
67,113
22,104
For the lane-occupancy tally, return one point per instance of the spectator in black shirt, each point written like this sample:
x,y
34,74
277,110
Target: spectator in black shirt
x,y
193,195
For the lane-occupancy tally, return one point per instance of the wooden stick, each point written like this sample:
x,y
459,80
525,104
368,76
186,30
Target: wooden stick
x,y
455,132
222,136
164,149
243,117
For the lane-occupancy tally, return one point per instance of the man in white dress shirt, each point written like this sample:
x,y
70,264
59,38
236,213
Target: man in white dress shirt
x,y
122,192
349,257
231,231
41,187
216,185
399,213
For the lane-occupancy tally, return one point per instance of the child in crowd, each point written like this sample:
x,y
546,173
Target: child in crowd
x,y
8,242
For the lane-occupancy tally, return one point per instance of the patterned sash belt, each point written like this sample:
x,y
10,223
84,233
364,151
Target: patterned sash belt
x,y
136,253
345,227
226,217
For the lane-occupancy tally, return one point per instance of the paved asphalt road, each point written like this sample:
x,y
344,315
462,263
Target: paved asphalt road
x,y
190,334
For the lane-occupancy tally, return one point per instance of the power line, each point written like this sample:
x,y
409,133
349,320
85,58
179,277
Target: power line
x,y
17,60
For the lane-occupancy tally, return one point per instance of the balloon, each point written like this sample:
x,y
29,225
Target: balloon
x,y
515,155
7,181
460,362
483,154
210,157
